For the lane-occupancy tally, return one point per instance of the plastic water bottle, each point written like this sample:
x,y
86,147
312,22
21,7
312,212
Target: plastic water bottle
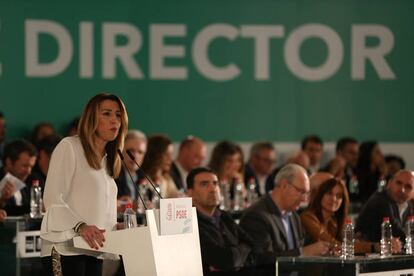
x,y
409,235
251,192
155,198
348,240
386,237
130,217
224,196
238,197
35,200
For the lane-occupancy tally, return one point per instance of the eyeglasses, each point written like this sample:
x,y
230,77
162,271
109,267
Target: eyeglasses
x,y
302,192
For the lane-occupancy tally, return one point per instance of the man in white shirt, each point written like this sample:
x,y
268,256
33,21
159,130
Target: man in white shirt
x,y
191,154
18,159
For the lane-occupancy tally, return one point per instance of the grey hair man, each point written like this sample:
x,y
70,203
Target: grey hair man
x,y
273,223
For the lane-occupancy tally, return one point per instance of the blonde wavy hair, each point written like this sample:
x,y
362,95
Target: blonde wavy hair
x,y
87,127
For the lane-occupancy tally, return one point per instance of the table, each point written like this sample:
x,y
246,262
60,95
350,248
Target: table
x,y
372,265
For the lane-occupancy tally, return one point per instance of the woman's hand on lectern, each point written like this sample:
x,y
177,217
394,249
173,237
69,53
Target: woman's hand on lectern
x,y
92,235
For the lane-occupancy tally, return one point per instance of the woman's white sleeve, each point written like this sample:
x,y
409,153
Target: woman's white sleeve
x,y
59,220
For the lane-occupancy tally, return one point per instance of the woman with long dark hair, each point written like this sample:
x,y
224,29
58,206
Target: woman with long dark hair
x,y
325,217
157,164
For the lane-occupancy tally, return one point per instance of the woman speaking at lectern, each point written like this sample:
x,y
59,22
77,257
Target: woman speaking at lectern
x,y
80,191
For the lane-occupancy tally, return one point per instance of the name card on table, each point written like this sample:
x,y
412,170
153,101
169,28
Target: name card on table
x,y
176,216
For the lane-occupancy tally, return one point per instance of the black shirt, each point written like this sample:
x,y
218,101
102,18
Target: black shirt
x,y
224,245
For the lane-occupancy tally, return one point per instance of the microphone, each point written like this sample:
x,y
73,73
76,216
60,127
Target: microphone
x,y
144,173
129,173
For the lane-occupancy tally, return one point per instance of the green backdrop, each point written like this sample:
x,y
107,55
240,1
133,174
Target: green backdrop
x,y
279,105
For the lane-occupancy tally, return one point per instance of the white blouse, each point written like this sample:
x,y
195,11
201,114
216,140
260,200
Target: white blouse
x,y
75,192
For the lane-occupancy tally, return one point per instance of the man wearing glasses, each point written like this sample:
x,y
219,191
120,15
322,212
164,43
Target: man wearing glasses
x,y
273,222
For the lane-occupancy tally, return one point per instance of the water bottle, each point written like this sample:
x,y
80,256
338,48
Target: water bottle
x,y
409,235
224,196
386,237
130,217
251,192
155,198
348,240
143,192
35,200
238,197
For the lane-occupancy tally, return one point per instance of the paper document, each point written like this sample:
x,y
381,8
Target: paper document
x,y
18,184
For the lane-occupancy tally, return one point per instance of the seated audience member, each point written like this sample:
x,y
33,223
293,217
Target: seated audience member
x,y
325,218
18,159
336,167
40,131
393,163
300,158
393,202
273,223
45,148
260,165
157,164
2,136
312,145
225,248
191,154
348,149
136,143
370,169
227,162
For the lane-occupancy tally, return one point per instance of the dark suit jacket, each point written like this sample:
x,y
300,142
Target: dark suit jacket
x,y
263,222
177,177
224,245
380,205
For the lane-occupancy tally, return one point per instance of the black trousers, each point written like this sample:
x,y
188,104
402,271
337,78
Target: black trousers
x,y
79,265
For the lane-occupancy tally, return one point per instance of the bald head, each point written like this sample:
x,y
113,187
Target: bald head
x,y
192,153
300,158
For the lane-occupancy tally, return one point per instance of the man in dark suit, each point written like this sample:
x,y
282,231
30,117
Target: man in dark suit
x,y
393,202
260,165
18,159
273,223
191,154
225,248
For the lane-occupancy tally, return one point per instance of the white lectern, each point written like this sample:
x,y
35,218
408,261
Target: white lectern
x,y
145,252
